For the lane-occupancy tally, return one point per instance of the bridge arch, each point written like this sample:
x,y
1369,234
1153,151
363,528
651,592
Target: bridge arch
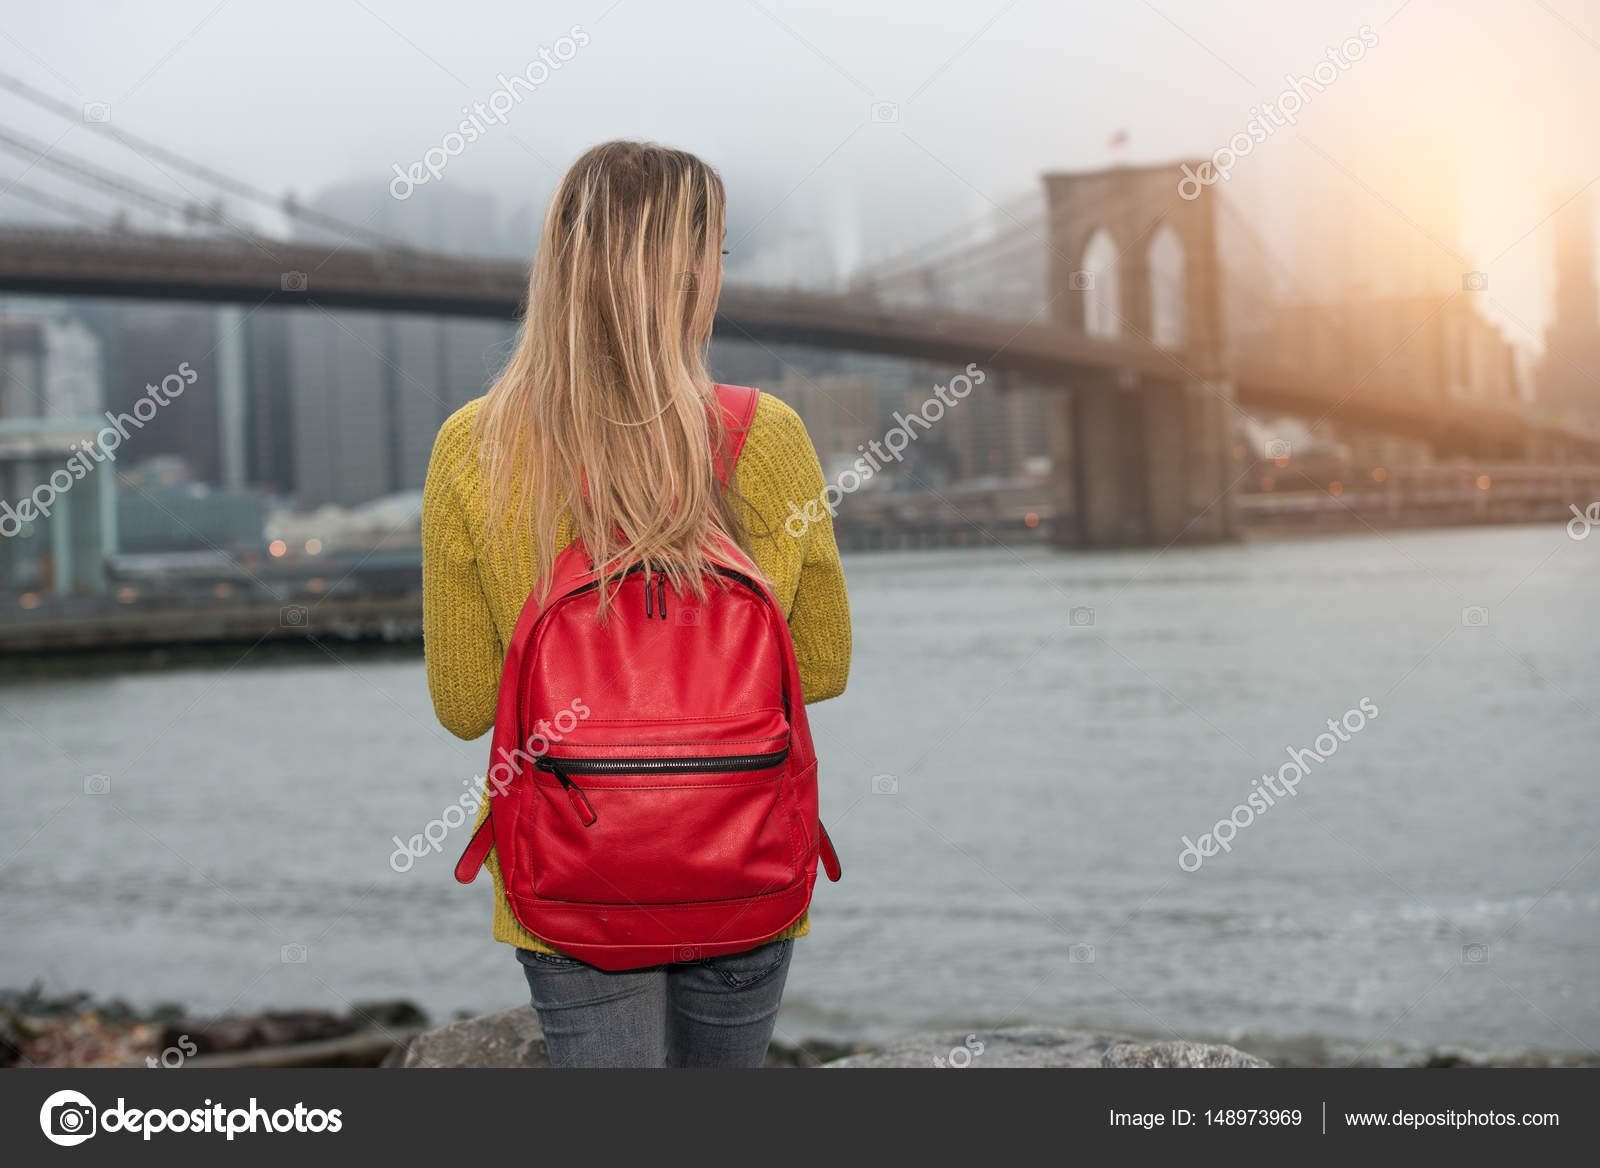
x,y
1101,285
1164,263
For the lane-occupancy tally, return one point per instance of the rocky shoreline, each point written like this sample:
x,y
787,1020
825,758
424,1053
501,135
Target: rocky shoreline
x,y
511,1038
40,1030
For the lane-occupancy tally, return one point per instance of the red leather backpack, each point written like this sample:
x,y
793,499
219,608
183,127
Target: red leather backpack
x,y
653,787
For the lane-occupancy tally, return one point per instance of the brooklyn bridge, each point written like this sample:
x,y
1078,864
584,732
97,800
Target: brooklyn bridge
x,y
1160,407
1124,337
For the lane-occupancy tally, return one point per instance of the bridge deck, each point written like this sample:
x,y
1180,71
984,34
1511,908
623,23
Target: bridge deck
x,y
257,271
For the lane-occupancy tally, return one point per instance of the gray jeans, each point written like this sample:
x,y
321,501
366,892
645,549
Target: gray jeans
x,y
717,1012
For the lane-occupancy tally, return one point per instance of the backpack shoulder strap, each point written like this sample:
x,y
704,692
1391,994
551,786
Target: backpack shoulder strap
x,y
738,404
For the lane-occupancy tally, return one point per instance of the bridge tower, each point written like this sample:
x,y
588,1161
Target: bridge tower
x,y
1145,459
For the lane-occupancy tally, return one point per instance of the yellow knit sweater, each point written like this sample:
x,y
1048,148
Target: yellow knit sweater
x,y
474,586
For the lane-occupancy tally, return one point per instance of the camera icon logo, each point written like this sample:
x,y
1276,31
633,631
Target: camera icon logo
x,y
97,784
686,953
884,112
1080,617
686,614
1081,955
689,282
1475,616
294,954
67,1118
1475,282
1278,449
1474,955
96,111
293,281
292,616
1081,281
885,785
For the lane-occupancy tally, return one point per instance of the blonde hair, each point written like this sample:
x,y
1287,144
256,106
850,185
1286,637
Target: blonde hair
x,y
605,411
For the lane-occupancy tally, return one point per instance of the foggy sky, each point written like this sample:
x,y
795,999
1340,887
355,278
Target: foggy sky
x,y
309,94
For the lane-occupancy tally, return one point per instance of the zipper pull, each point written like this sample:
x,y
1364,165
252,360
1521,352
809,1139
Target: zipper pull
x,y
662,579
580,802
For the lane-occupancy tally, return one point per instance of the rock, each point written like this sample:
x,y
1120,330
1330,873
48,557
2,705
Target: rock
x,y
1179,1054
246,1031
1020,1046
1043,1046
367,1048
393,1013
810,1052
510,1038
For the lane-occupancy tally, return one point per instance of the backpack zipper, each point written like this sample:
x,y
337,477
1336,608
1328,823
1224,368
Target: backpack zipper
x,y
575,794
564,769
730,573
659,582
707,764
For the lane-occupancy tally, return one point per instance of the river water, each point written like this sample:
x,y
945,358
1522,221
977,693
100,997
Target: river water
x,y
1026,739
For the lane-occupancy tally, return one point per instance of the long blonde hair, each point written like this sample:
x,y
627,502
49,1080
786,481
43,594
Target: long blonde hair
x,y
605,411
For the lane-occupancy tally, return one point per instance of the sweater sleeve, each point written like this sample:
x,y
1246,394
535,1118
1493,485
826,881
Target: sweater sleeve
x,y
791,537
461,647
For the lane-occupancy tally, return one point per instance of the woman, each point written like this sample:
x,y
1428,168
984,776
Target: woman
x,y
596,429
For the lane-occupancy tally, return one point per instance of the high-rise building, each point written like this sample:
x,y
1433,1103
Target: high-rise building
x,y
21,369
799,257
840,413
474,353
146,343
417,349
57,523
1569,375
342,447
269,403
999,432
50,367
367,392
1388,227
436,365
439,217
1430,346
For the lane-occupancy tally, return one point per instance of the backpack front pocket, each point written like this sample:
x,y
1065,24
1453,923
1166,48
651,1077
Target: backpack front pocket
x,y
662,830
